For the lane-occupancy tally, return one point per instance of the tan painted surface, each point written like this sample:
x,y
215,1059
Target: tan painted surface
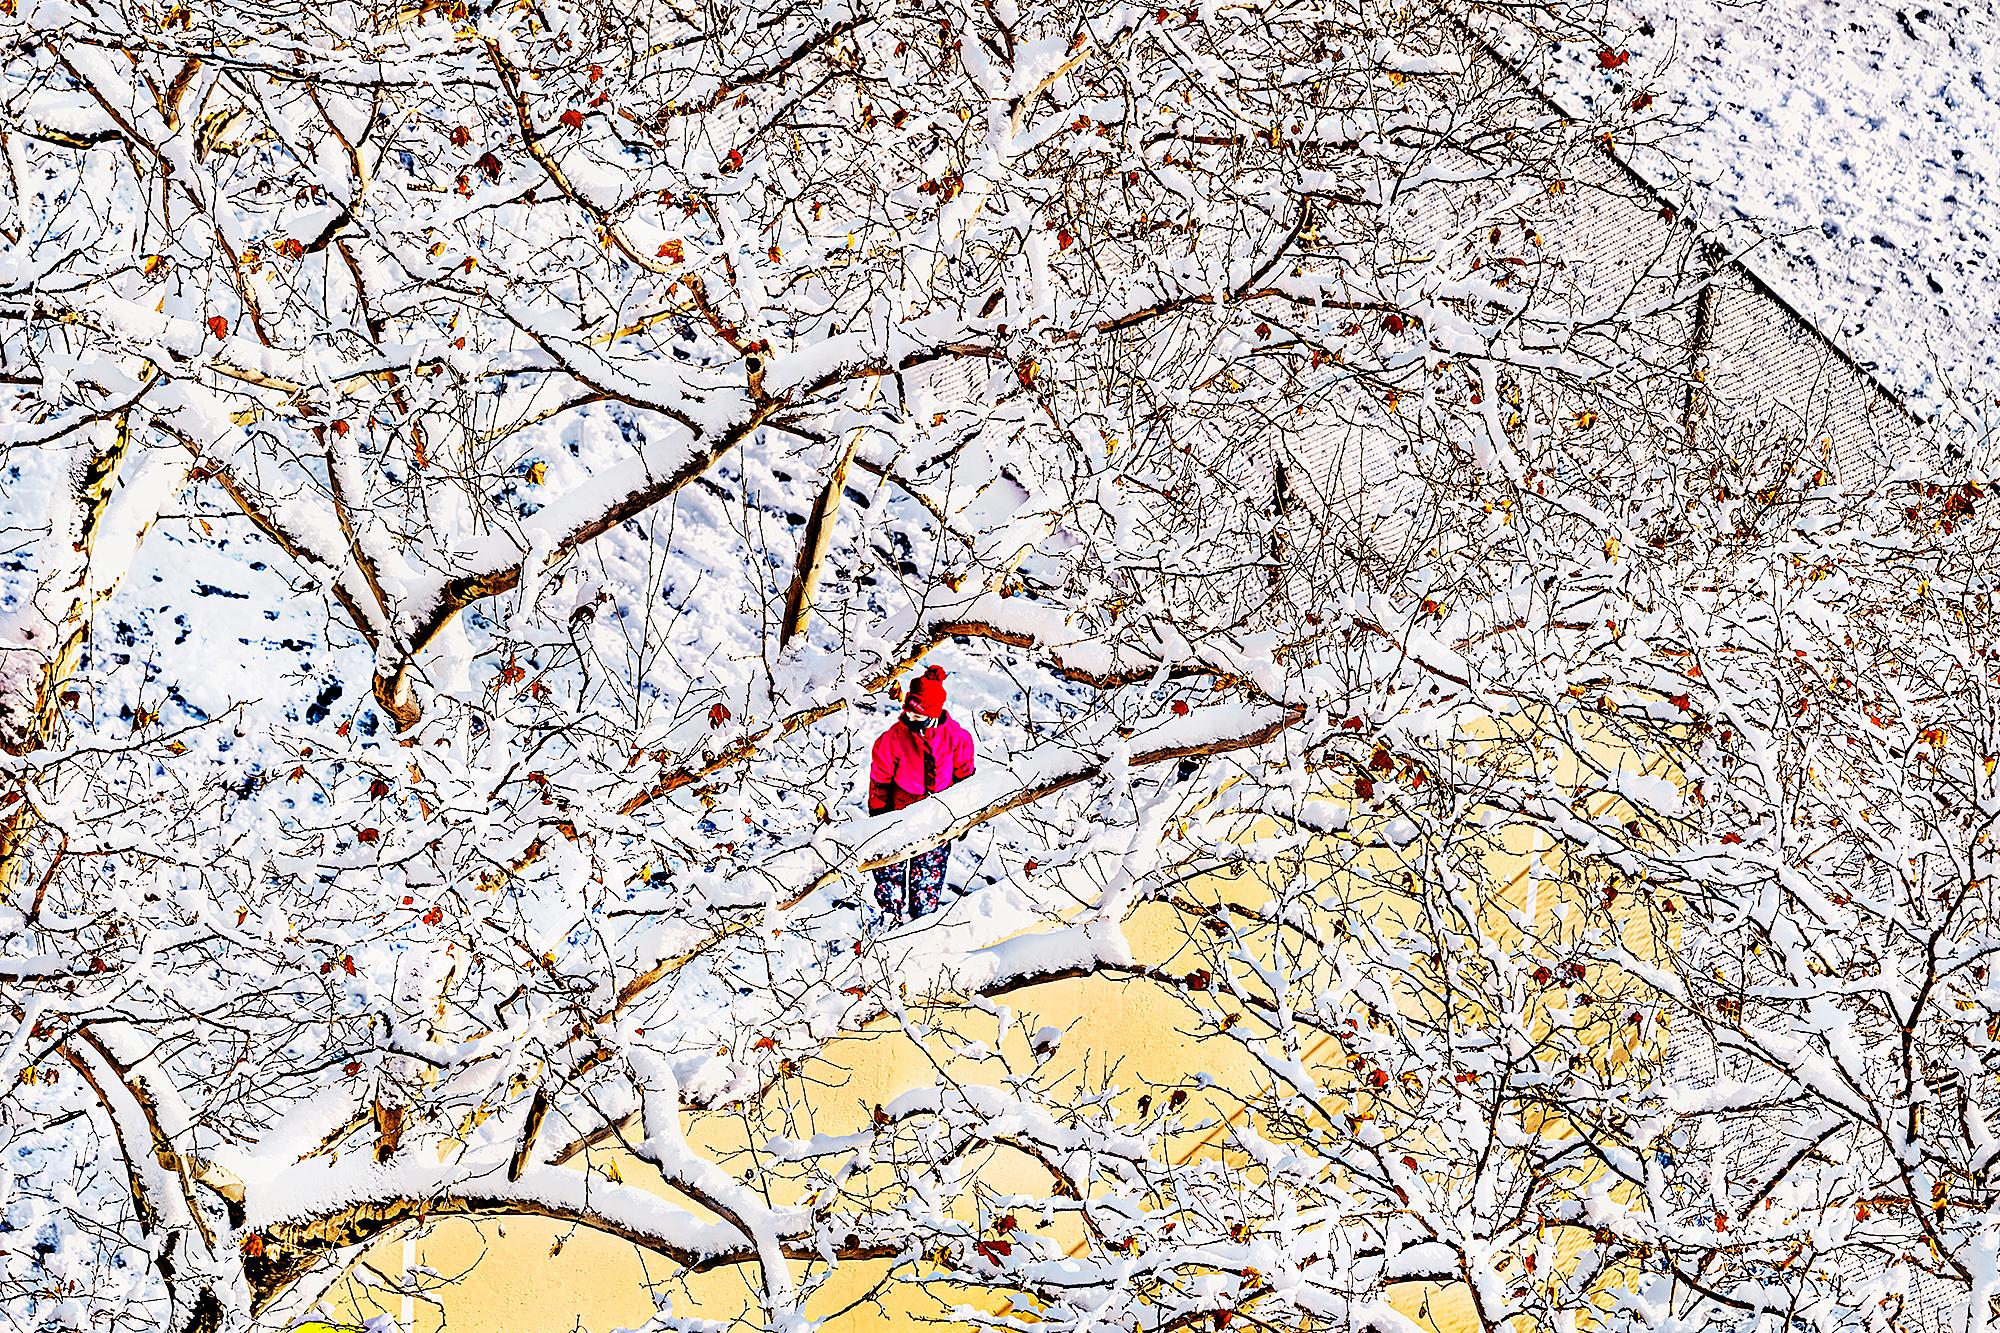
x,y
526,1275
529,1275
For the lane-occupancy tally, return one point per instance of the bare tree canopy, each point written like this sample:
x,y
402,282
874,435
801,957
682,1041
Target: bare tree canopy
x,y
476,479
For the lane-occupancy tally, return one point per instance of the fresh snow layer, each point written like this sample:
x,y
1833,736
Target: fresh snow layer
x,y
1862,142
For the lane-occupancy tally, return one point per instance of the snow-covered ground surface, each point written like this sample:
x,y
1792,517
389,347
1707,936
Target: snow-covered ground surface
x,y
1862,140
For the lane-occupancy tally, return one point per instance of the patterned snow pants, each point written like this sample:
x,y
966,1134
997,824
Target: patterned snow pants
x,y
911,888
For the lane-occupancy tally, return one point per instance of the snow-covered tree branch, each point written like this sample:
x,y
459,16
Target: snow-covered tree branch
x,y
477,479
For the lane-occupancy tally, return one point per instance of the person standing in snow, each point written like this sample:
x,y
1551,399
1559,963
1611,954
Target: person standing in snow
x,y
923,751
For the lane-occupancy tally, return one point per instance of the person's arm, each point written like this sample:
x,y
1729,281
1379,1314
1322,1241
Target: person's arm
x,y
962,763
881,776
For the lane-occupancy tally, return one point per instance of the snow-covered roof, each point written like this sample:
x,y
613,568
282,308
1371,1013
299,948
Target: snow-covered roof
x,y
1707,314
1862,144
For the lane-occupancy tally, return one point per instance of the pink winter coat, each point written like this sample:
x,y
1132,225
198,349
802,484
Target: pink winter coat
x,y
909,765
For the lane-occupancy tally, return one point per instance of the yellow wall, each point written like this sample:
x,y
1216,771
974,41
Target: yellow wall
x,y
527,1275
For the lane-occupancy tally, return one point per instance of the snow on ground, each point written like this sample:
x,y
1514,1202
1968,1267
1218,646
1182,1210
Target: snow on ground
x,y
1862,141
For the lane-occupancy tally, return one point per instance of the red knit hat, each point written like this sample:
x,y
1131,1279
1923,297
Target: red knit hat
x,y
927,695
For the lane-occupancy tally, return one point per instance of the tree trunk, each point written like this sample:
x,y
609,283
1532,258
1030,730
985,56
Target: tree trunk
x,y
40,650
